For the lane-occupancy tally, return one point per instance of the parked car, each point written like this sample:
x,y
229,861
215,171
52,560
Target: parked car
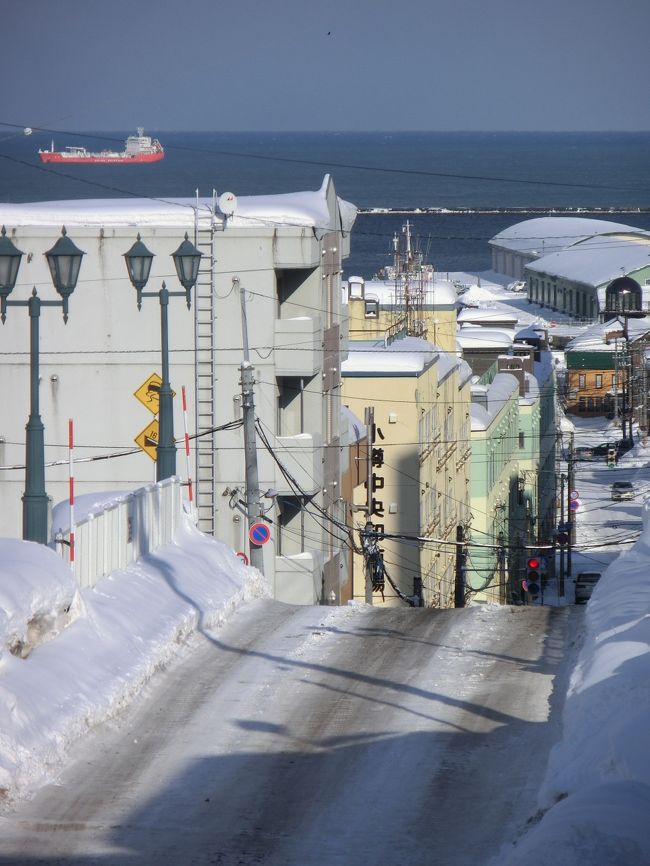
x,y
623,490
585,583
624,445
602,449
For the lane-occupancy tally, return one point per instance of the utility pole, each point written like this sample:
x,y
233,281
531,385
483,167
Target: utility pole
x,y
501,561
459,593
562,483
254,511
616,379
643,421
571,532
369,420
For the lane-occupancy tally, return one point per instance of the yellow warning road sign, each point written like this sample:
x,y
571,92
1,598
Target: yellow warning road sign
x,y
149,393
148,439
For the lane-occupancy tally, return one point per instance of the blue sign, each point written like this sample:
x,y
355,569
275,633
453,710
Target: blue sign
x,y
259,533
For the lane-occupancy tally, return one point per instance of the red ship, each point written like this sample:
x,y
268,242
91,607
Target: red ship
x,y
139,148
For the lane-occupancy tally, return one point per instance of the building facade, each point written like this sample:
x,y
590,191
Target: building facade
x,y
575,281
517,246
282,255
420,398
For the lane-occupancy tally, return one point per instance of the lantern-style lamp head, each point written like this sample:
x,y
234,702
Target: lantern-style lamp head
x,y
64,260
10,257
138,263
187,259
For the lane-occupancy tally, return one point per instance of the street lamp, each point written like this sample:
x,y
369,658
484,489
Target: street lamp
x,y
64,261
138,263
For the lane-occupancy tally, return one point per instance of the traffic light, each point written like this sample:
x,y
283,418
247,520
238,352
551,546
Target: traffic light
x,y
531,583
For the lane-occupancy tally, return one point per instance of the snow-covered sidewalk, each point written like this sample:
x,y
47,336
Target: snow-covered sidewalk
x,y
71,659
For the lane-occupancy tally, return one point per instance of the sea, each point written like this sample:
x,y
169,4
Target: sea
x,y
457,190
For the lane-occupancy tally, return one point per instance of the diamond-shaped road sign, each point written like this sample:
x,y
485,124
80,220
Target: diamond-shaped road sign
x,y
147,439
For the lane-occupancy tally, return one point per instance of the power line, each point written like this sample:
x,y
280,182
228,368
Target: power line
x,y
357,166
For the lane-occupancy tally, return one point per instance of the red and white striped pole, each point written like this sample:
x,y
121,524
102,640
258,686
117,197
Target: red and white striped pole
x,y
187,449
71,484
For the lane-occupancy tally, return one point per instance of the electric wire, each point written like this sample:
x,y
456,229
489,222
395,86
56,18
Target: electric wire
x,y
354,166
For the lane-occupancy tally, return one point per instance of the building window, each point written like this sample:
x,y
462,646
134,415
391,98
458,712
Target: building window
x,y
599,380
582,404
582,381
521,440
371,309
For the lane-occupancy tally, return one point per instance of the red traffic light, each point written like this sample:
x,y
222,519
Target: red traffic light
x,y
533,562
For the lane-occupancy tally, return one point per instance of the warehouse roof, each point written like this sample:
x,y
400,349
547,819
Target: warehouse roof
x,y
542,235
597,260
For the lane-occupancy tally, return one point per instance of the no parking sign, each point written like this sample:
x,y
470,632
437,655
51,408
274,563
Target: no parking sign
x,y
259,534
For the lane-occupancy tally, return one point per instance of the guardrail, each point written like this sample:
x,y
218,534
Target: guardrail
x,y
119,533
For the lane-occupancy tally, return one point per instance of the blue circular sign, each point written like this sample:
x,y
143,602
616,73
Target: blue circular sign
x,y
259,533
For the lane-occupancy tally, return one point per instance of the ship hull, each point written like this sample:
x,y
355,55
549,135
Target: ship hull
x,y
94,158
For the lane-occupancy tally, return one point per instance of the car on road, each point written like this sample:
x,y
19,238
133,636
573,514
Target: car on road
x,y
602,449
623,490
585,583
584,452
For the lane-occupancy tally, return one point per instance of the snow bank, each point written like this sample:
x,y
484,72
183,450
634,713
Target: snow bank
x,y
595,799
37,593
117,636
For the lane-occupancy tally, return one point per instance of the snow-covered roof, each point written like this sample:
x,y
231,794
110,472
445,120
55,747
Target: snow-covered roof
x,y
408,356
596,260
496,395
500,314
533,389
465,372
542,235
447,363
298,209
353,426
485,338
439,293
530,332
595,338
480,417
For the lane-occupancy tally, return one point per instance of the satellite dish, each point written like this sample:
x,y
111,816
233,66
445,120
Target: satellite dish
x,y
227,203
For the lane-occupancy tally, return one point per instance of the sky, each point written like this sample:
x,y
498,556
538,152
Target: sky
x,y
340,65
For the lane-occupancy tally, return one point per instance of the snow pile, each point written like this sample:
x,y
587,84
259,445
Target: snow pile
x,y
37,595
109,641
596,797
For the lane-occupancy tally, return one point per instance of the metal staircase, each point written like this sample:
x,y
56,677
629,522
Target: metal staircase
x,y
205,371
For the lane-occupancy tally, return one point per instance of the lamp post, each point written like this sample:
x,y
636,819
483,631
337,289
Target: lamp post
x,y
138,263
64,261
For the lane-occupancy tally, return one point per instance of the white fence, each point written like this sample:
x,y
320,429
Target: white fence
x,y
121,532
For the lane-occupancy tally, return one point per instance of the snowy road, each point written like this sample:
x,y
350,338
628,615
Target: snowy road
x,y
306,735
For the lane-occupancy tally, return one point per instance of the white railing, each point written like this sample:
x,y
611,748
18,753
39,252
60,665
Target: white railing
x,y
119,533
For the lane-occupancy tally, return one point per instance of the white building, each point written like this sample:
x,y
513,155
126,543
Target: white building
x,y
529,240
285,252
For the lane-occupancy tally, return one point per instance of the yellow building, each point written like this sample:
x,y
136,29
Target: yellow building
x,y
420,474
425,307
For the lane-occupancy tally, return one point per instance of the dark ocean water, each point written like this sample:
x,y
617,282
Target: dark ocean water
x,y
473,174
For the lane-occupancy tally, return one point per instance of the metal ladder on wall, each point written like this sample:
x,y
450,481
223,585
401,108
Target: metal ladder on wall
x,y
205,371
